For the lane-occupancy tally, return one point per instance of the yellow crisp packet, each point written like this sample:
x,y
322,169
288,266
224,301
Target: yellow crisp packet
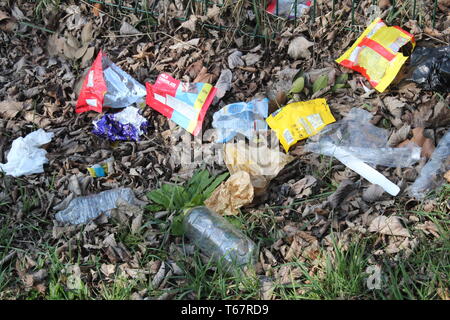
x,y
299,120
376,53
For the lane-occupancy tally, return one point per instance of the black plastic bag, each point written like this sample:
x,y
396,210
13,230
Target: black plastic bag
x,y
431,68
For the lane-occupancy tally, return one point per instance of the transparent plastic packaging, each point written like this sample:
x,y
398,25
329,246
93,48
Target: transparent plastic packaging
x,y
217,238
431,175
84,209
286,8
123,90
356,136
240,117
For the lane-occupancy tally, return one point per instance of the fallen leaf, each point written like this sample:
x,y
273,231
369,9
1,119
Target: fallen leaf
x,y
128,29
9,109
399,135
223,84
302,187
96,9
234,60
87,58
395,106
204,76
447,176
372,193
298,48
86,33
251,58
190,24
232,194
182,45
390,226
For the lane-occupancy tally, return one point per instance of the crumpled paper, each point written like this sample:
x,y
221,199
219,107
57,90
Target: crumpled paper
x,y
232,194
262,163
25,156
125,125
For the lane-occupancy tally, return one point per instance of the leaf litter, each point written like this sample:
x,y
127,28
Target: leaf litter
x,y
38,77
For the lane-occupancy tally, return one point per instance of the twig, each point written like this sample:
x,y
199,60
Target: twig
x,y
8,257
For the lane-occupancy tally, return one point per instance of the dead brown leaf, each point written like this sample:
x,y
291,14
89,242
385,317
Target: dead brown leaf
x,y
9,109
391,226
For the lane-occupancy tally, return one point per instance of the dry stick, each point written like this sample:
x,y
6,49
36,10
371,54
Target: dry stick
x,y
8,257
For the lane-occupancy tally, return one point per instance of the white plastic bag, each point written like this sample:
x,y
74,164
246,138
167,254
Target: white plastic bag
x,y
25,156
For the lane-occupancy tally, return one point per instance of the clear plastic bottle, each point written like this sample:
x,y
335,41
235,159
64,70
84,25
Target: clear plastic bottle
x,y
217,238
431,175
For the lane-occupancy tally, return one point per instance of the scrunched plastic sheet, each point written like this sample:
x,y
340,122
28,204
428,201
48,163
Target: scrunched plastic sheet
x,y
431,175
357,136
123,126
241,117
431,68
286,8
84,209
108,85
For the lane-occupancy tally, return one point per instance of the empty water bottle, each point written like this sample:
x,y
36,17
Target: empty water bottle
x,y
431,175
217,238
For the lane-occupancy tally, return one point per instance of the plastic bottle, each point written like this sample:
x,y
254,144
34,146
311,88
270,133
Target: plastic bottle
x,y
84,209
217,238
431,174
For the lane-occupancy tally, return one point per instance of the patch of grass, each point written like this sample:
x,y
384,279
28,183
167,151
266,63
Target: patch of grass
x,y
215,280
342,275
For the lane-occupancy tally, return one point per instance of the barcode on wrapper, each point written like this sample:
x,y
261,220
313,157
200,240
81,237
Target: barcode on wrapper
x,y
288,136
315,120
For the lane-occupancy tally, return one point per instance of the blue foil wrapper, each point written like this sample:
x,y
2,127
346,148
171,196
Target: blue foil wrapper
x,y
115,128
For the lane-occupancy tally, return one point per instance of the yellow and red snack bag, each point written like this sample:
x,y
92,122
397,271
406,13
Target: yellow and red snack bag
x,y
376,53
299,120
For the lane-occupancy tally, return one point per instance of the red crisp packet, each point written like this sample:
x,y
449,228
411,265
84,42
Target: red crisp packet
x,y
184,103
106,85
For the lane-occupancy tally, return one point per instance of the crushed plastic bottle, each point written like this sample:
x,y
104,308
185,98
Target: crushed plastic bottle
x,y
84,209
431,175
217,238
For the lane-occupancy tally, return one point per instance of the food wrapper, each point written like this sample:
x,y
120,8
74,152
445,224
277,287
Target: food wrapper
x,y
299,120
260,162
240,117
376,54
102,169
286,8
232,194
122,126
183,103
106,85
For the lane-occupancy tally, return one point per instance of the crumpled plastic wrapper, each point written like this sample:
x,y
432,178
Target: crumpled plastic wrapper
x,y
356,136
106,85
123,126
102,169
25,156
378,53
431,68
286,8
232,194
262,163
241,117
84,209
